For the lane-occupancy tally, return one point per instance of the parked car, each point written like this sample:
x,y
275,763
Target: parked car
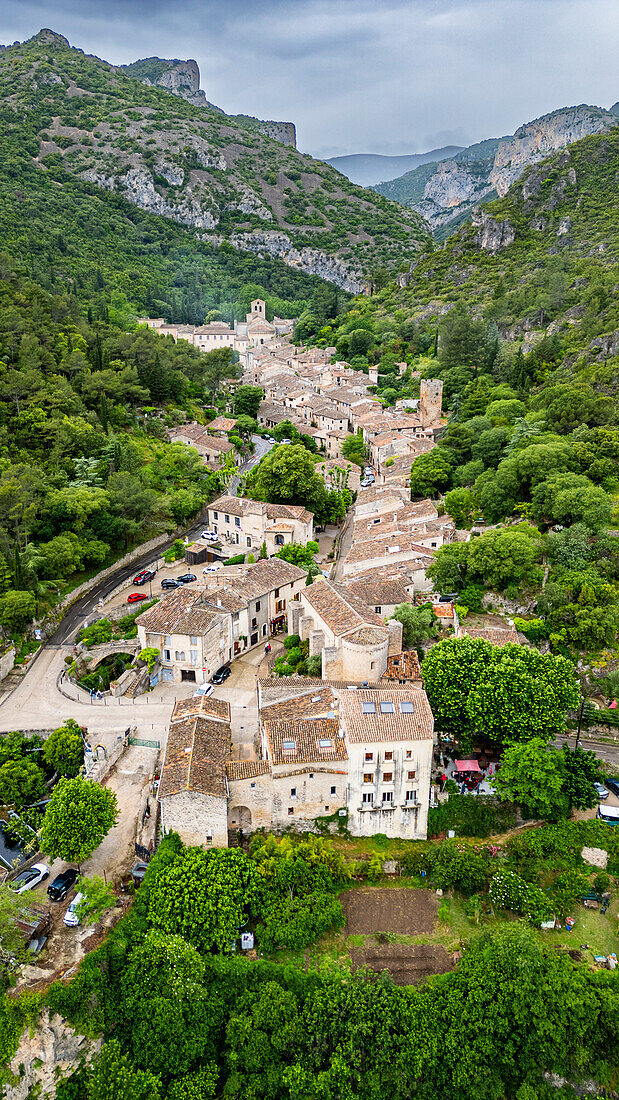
x,y
169,582
187,578
59,888
31,877
209,536
221,674
613,785
285,441
135,597
270,439
366,482
203,691
213,567
71,918
368,470
601,791
144,576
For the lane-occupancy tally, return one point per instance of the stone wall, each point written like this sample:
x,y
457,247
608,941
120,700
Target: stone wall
x,y
196,817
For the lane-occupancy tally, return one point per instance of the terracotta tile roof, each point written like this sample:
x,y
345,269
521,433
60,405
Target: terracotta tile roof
x,y
493,634
312,704
339,609
378,589
204,706
371,549
360,727
180,612
299,741
222,424
196,753
273,689
260,577
443,610
246,769
403,666
242,506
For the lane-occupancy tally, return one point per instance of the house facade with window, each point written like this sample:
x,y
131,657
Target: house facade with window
x,y
194,638
248,523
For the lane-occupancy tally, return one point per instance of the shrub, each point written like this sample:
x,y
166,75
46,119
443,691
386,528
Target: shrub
x,y
291,641
460,867
601,882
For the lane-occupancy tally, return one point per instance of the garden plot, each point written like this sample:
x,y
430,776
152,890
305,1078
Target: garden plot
x,y
408,964
403,911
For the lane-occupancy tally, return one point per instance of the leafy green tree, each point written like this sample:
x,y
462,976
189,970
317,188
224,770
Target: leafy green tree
x,y
581,771
97,896
169,1017
17,609
64,748
522,694
204,896
199,1085
450,671
287,475
12,944
21,782
217,365
430,474
112,1076
418,623
298,554
533,775
80,814
572,498
247,400
462,506
448,568
501,558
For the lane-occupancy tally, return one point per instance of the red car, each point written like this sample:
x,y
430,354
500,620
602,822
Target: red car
x,y
135,597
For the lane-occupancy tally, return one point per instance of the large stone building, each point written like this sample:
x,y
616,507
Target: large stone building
x,y
248,523
196,630
363,752
353,641
193,788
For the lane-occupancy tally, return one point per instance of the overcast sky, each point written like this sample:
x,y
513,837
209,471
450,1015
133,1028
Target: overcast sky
x,y
382,76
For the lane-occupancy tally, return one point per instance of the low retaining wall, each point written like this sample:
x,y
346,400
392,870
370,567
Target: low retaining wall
x,y
98,768
139,552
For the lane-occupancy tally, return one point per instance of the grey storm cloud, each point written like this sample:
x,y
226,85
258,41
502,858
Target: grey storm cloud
x,y
384,76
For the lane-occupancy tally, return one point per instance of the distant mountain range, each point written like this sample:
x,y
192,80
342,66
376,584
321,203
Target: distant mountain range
x,y
367,169
446,193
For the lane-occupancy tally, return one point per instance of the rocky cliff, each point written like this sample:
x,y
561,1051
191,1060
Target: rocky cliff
x,y
45,1055
447,194
182,78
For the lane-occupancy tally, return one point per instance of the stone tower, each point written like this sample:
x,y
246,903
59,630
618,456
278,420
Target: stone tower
x,y
430,401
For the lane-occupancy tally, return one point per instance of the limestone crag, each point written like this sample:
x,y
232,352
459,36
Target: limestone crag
x,y
493,235
138,187
454,186
545,135
489,168
182,78
310,260
45,1055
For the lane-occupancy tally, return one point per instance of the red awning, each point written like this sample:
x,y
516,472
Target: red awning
x,y
467,766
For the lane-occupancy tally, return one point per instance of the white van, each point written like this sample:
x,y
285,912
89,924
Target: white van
x,y
71,918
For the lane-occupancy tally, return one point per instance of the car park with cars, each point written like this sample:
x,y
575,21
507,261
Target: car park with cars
x,y
187,578
28,879
169,582
136,597
209,536
213,567
62,884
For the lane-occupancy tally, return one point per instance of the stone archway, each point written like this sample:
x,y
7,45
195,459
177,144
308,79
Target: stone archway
x,y
239,817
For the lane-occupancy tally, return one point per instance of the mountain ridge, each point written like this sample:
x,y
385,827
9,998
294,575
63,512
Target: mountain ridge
x,y
447,195
213,173
368,169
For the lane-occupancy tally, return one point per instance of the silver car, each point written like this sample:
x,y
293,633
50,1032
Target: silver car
x,y
31,877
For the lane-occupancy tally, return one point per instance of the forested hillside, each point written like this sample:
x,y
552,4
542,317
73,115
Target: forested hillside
x,y
79,120
519,315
